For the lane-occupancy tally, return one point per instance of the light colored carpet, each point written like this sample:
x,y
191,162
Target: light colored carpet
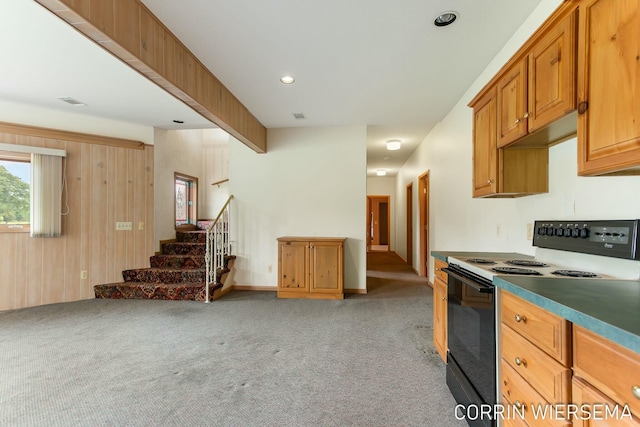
x,y
248,359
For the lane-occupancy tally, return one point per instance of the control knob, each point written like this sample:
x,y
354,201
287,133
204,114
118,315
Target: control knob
x,y
584,233
542,231
567,232
575,233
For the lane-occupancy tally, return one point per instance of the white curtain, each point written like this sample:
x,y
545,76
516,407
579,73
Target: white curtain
x,y
46,195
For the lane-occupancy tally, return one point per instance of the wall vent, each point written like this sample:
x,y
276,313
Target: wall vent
x,y
72,101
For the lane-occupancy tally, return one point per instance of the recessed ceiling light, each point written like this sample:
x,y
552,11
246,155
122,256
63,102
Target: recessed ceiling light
x,y
393,144
72,101
445,18
381,172
287,80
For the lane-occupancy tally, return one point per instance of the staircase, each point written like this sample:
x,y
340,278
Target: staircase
x,y
178,273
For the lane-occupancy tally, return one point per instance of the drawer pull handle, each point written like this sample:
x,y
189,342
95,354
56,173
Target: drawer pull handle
x,y
520,405
521,318
521,362
636,391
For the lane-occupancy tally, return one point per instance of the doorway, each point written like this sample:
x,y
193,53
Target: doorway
x,y
410,224
423,192
378,223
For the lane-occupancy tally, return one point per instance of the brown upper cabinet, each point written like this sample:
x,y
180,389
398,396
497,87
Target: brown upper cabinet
x,y
527,106
609,87
540,87
485,161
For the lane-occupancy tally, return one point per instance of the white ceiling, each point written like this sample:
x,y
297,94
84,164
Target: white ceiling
x,y
358,62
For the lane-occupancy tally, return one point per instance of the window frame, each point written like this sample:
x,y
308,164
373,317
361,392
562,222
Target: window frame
x,y
192,197
15,156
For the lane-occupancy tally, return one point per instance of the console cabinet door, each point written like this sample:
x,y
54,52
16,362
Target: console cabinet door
x,y
294,272
326,267
608,88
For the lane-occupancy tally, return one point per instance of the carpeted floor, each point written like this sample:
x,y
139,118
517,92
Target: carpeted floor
x,y
248,359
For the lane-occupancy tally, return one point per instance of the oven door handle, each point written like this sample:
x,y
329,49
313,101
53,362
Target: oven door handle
x,y
477,286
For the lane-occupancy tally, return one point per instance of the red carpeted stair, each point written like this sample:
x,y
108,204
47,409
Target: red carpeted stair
x,y
178,273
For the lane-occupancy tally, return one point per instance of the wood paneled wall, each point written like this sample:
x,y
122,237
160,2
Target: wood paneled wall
x,y
104,184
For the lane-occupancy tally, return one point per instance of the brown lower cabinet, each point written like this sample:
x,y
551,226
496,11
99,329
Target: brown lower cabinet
x,y
311,267
440,309
549,364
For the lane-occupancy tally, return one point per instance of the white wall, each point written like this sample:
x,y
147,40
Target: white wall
x,y
72,121
200,153
459,222
215,167
311,182
385,186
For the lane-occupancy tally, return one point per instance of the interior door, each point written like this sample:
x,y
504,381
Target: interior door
x,y
378,226
423,188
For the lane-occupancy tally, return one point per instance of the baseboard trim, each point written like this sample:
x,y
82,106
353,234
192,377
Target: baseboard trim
x,y
355,291
252,288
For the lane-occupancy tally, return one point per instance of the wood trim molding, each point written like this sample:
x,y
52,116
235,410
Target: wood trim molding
x,y
129,30
253,288
70,136
355,291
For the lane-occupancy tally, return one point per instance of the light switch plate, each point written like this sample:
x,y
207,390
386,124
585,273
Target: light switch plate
x,y
122,226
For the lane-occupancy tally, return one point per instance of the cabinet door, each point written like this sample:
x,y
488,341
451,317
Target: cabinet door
x,y
512,104
326,267
552,75
293,267
608,88
591,403
485,156
440,317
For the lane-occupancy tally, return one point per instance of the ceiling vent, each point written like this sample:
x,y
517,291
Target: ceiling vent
x,y
298,116
72,101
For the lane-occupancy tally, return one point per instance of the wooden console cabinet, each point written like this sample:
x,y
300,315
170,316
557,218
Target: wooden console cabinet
x,y
311,267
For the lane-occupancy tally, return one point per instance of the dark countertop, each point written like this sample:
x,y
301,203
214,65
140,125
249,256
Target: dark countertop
x,y
444,255
610,308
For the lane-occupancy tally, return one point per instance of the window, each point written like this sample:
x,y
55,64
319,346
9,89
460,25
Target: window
x,y
15,177
32,180
186,194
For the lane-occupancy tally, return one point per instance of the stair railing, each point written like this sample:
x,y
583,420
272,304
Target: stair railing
x,y
218,246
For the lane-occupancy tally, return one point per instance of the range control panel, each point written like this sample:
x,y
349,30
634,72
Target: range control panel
x,y
615,238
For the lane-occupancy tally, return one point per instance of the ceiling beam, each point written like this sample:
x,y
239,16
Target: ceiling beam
x,y
129,30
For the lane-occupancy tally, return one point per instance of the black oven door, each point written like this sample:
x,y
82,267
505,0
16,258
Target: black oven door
x,y
471,370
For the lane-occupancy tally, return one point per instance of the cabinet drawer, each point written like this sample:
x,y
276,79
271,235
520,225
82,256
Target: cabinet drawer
x,y
547,331
438,266
585,394
516,391
550,378
611,368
